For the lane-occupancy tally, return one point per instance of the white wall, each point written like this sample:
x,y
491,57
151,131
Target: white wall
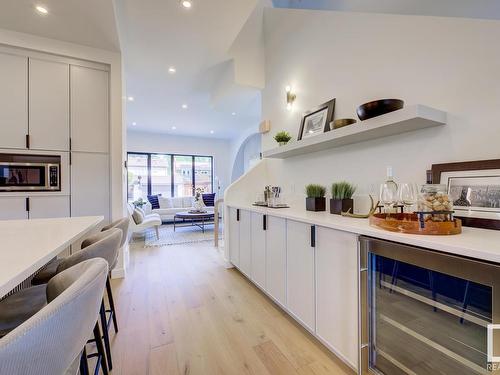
x,y
218,148
447,63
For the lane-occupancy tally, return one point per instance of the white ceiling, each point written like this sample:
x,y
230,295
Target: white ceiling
x,y
156,34
89,22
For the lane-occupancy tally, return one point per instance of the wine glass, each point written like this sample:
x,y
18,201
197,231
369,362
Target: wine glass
x,y
388,195
407,194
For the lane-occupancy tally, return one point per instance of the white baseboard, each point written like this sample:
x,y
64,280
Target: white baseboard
x,y
118,273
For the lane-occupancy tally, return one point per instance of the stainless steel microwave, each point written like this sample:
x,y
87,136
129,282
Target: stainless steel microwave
x,y
20,172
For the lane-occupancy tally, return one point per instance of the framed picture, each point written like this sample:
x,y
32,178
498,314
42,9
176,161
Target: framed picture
x,y
317,120
474,188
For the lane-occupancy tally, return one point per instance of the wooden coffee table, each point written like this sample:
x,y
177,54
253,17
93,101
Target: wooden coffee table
x,y
195,218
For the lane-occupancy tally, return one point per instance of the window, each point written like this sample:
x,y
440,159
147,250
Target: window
x,y
168,174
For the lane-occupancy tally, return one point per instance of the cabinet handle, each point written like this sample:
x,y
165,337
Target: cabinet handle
x,y
313,236
27,141
237,214
27,204
264,222
70,143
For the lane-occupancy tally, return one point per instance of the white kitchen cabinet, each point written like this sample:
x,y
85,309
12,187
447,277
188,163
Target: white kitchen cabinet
x,y
48,105
12,208
89,109
245,242
276,258
258,244
90,185
337,292
300,272
14,101
234,236
44,207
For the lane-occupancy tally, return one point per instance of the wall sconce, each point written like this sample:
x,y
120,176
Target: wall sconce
x,y
290,98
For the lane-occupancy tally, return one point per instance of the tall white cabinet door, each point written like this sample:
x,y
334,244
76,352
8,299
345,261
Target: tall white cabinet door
x,y
300,273
234,237
276,258
89,109
90,194
42,207
14,101
337,292
13,208
245,242
49,105
258,244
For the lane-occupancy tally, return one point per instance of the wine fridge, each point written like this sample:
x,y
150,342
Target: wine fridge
x,y
424,312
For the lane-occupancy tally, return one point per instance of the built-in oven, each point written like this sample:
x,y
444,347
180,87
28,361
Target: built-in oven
x,y
22,173
424,312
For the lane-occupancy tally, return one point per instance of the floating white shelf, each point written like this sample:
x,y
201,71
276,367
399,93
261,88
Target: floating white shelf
x,y
407,119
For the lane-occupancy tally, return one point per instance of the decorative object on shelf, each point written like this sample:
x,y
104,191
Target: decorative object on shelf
x,y
265,126
342,201
389,192
474,190
378,108
408,195
198,200
315,200
282,137
434,199
373,208
290,97
416,223
317,120
341,122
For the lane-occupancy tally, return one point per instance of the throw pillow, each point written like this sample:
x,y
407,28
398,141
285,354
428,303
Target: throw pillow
x,y
138,216
165,202
209,199
153,199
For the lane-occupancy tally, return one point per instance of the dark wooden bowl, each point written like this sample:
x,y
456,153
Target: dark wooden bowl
x,y
341,123
378,107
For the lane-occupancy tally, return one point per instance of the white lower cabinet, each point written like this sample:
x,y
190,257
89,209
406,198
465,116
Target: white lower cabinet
x,y
234,236
245,242
300,296
12,208
44,207
276,258
258,244
337,292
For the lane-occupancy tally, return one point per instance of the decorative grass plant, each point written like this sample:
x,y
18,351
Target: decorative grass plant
x,y
315,200
282,137
342,201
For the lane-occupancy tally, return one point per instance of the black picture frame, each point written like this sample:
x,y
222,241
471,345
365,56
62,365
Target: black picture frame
x,y
478,165
329,106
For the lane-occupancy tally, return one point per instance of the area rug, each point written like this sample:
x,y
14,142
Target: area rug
x,y
182,235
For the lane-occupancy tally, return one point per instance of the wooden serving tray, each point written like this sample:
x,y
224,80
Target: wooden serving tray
x,y
409,223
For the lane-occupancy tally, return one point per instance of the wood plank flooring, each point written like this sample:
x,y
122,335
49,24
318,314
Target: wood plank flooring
x,y
180,312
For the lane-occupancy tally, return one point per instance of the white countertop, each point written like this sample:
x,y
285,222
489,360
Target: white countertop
x,y
476,243
26,245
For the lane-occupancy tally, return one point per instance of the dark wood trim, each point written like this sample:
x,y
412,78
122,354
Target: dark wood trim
x,y
329,117
476,165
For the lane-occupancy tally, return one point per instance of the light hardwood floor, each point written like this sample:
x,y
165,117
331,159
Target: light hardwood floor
x,y
180,311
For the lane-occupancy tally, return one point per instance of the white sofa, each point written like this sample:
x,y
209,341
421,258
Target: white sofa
x,y
170,206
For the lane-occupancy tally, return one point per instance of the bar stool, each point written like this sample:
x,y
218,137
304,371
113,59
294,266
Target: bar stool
x,y
53,339
101,245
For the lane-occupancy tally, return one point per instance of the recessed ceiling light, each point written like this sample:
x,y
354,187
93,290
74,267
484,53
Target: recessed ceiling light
x,y
41,9
187,3
130,99
134,123
212,132
184,106
174,127
234,113
172,70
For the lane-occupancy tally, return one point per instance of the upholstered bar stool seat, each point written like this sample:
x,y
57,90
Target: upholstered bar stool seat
x,y
20,306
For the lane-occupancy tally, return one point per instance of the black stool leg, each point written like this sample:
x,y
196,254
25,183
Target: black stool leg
x,y
84,365
105,335
109,292
101,357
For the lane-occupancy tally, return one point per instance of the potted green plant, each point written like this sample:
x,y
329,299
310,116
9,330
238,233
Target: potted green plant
x,y
315,200
139,203
282,137
342,201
